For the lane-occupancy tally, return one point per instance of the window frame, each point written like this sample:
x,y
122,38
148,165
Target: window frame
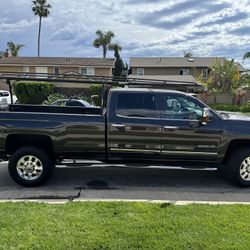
x,y
207,72
184,70
140,74
59,70
26,71
87,71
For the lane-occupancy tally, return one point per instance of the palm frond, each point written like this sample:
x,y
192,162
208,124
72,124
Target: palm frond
x,y
246,56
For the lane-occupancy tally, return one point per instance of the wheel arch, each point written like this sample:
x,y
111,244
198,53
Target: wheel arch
x,y
235,144
16,141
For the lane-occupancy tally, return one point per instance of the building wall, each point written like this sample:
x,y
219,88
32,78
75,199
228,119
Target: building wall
x,y
98,71
168,71
11,69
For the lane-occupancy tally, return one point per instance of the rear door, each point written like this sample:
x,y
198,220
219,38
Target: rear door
x,y
134,125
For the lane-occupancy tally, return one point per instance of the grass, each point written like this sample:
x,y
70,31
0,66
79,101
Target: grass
x,y
117,225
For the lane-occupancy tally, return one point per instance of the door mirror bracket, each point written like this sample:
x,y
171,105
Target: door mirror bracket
x,y
206,116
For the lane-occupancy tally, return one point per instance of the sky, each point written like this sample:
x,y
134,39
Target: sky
x,y
142,27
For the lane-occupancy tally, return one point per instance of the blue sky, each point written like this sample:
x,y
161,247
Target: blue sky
x,y
142,27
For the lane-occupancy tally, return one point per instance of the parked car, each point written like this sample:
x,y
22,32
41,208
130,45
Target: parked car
x,y
71,103
140,125
5,97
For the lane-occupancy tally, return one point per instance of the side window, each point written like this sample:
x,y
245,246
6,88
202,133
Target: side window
x,y
136,105
181,107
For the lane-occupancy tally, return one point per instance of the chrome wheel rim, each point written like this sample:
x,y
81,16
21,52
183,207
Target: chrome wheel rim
x,y
245,169
29,167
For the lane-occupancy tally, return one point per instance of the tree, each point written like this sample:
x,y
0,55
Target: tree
x,y
41,9
246,56
119,65
187,54
116,48
1,54
14,48
224,77
103,40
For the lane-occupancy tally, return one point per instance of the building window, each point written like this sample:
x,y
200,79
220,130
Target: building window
x,y
140,72
26,69
184,72
205,73
57,71
87,71
41,72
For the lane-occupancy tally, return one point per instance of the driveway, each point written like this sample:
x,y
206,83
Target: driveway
x,y
109,182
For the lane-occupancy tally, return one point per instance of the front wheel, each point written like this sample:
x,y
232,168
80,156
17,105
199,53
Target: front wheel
x,y
238,167
30,166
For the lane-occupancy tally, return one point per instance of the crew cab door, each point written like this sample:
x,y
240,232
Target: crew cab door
x,y
134,125
184,137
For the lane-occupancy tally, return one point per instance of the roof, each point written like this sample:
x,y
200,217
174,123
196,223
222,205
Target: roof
x,y
57,61
162,62
169,78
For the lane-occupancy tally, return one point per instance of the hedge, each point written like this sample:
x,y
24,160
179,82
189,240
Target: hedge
x,y
96,89
231,107
28,92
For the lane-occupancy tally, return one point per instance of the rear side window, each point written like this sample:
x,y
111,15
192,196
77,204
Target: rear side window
x,y
4,94
74,104
136,105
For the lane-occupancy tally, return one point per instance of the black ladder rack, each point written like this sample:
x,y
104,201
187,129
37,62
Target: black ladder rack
x,y
12,77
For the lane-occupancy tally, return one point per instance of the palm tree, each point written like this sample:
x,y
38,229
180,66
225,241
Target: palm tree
x,y
226,76
246,56
14,48
41,9
103,40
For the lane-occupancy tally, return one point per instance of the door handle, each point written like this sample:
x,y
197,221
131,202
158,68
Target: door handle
x,y
170,127
118,125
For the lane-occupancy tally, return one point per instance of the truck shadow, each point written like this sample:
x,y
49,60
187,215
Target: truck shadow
x,y
109,177
109,182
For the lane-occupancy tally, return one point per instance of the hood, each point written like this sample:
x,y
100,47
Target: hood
x,y
233,116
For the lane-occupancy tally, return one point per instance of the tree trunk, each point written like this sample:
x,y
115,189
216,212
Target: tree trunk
x,y
104,52
39,35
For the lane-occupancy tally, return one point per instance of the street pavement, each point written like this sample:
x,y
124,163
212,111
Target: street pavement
x,y
113,182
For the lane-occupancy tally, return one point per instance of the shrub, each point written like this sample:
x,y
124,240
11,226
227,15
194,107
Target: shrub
x,y
231,107
32,92
96,89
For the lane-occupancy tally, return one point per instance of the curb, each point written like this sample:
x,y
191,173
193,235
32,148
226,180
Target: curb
x,y
177,203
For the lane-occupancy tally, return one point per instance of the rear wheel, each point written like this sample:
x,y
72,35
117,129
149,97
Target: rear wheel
x,y
30,166
238,167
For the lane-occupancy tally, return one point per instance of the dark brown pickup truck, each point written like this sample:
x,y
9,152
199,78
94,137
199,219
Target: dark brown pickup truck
x,y
142,125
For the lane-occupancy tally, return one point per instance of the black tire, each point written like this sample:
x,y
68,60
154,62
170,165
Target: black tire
x,y
46,163
234,165
221,171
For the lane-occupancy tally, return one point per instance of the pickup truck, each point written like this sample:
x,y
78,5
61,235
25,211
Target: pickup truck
x,y
138,125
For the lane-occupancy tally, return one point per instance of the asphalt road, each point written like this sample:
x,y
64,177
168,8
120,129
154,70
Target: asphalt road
x,y
109,182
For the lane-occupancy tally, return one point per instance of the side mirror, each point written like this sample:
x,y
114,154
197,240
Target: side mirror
x,y
206,116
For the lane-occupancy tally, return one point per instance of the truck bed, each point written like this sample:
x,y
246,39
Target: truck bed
x,y
54,109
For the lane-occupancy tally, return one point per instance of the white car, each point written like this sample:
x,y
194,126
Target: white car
x,y
5,97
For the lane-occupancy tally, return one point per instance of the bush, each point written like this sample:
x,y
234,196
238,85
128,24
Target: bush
x,y
32,92
96,89
231,107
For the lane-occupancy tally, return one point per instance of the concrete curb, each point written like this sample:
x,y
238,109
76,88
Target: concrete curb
x,y
177,203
